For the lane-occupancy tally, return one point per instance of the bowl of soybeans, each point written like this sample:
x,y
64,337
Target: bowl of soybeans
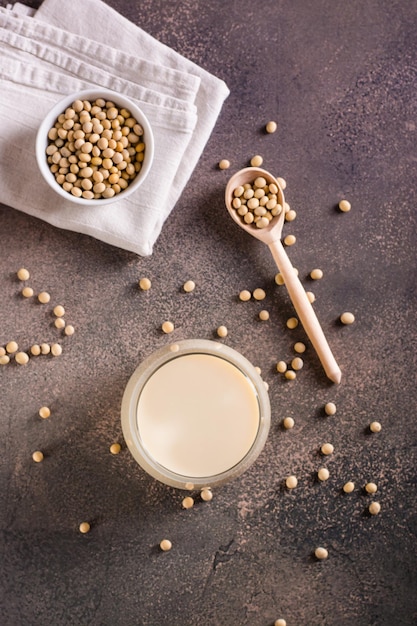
x,y
95,147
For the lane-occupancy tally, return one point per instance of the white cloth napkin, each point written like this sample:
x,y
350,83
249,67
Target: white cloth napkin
x,y
56,52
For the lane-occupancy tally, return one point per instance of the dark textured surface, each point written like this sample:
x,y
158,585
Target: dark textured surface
x,y
340,79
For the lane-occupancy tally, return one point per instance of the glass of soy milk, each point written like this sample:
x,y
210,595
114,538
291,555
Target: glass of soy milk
x,y
195,414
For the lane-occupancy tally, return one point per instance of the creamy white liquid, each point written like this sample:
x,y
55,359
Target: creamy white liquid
x,y
198,415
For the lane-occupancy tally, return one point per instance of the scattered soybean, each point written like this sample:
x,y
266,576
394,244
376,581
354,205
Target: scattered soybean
x,y
288,423
374,508
316,274
291,482
347,318
344,206
84,527
327,448
321,553
323,474
375,427
23,274
330,408
222,331
115,448
145,284
271,127
167,327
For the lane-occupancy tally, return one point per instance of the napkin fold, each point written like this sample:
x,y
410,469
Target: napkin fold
x,y
45,56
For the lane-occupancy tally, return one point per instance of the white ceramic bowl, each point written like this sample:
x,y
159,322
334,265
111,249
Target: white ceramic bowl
x,y
91,95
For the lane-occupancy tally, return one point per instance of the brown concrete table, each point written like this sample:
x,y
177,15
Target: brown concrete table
x,y
340,80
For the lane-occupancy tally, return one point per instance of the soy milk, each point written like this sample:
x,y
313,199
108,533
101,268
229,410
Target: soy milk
x,y
198,415
195,414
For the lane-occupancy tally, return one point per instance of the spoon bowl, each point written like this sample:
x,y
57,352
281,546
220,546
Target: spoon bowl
x,y
271,236
273,231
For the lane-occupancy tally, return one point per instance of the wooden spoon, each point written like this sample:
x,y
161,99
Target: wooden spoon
x,y
271,235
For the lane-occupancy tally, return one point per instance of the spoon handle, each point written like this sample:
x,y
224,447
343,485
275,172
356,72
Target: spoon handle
x,y
305,311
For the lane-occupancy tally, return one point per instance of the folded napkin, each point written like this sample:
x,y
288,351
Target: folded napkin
x,y
53,53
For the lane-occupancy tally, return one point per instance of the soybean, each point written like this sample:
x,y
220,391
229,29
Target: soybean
x,y
330,408
256,161
288,423
56,349
59,310
290,375
374,508
22,358
167,327
259,294
323,474
23,274
292,323
188,502
145,284
44,297
189,286
299,347
222,331
206,494
12,347
297,363
245,295
271,127
84,528
321,553
291,482
347,318
316,274
290,240
375,427
344,206
327,448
